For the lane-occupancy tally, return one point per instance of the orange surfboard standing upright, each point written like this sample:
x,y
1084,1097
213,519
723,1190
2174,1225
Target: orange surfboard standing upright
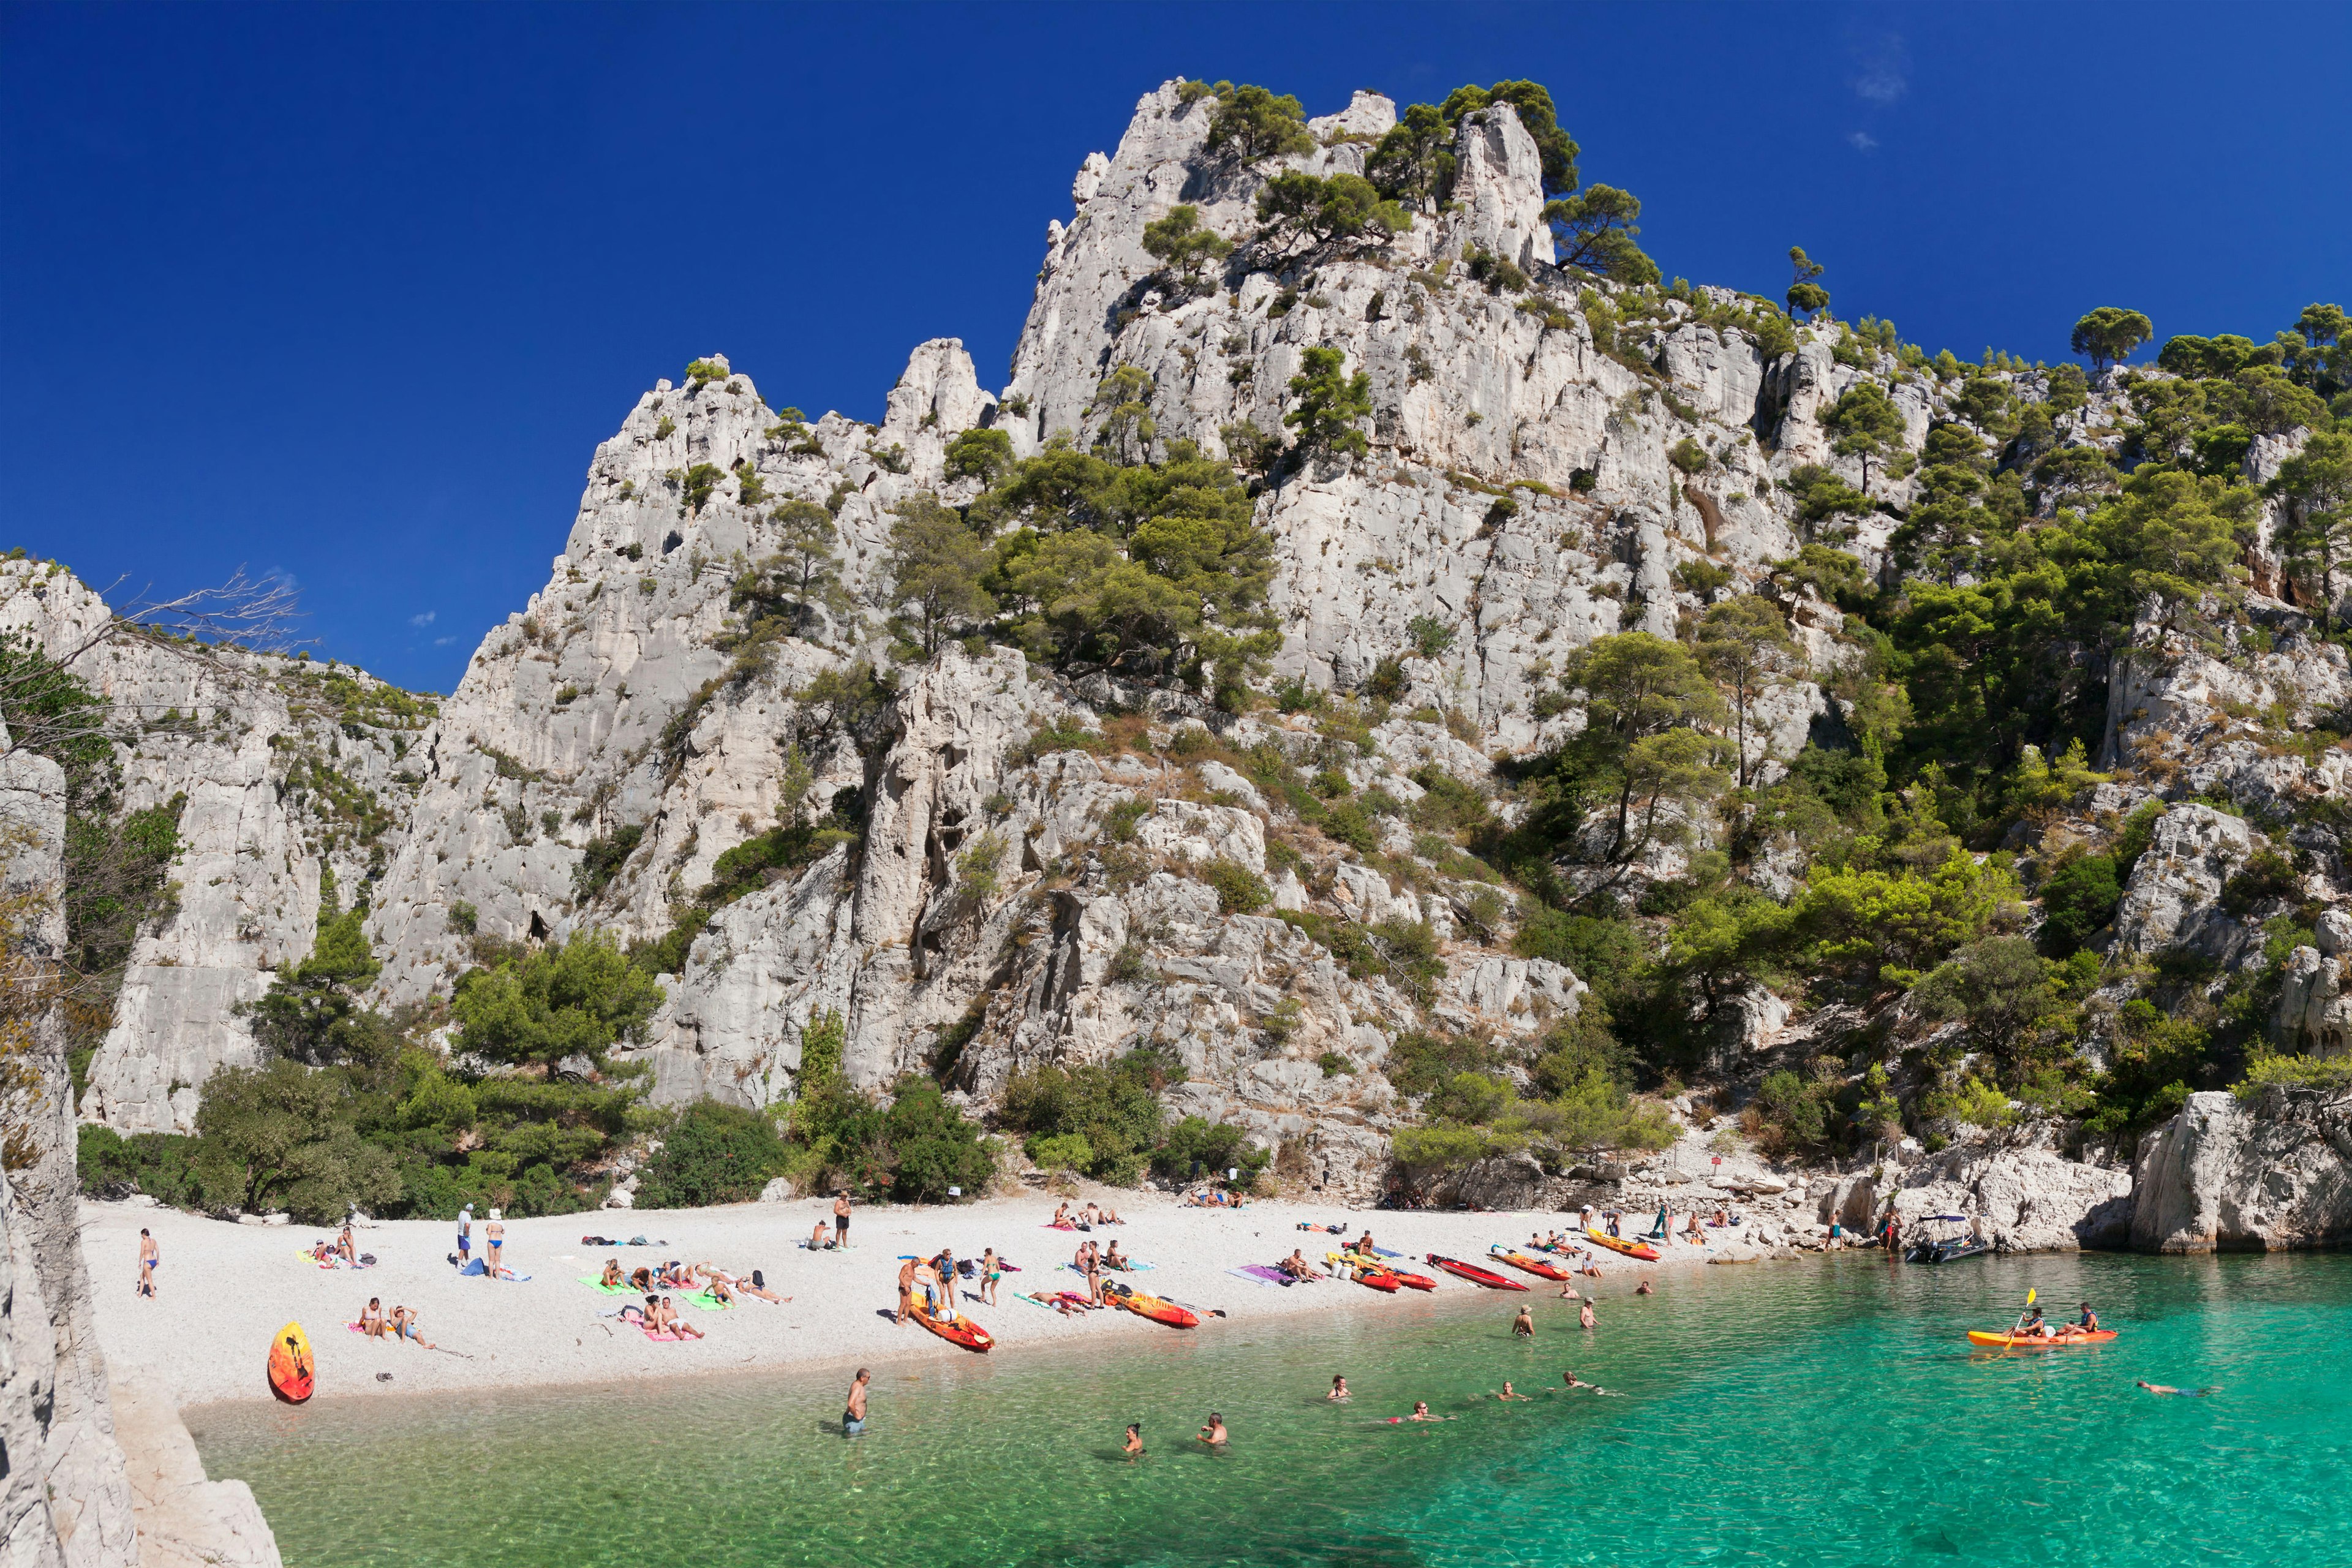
x,y
292,1372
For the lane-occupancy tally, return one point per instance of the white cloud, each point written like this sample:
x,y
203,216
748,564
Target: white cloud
x,y
1863,141
423,620
279,577
1883,69
445,642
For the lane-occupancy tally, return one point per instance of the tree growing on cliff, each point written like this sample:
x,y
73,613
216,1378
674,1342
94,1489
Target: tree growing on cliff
x,y
1183,243
1295,205
1123,398
1596,231
1865,425
313,1013
1330,403
2108,335
1745,642
2317,485
1807,299
935,563
1415,160
982,455
1252,123
803,575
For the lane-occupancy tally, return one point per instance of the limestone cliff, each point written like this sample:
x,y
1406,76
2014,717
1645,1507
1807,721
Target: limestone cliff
x,y
1547,465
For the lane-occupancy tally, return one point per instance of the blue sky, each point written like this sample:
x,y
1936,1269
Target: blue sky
x,y
352,292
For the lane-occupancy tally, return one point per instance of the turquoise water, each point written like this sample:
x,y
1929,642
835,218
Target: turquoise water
x,y
1801,1413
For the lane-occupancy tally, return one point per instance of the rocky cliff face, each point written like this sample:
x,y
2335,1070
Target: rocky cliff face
x,y
63,1496
2270,1174
1539,469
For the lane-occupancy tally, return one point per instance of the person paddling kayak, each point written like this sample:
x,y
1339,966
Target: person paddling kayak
x,y
2089,1321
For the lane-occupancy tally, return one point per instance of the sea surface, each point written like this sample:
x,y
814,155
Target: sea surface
x,y
1813,1412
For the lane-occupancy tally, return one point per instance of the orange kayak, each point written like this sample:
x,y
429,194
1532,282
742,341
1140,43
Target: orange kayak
x,y
2041,1342
1521,1261
957,1330
1157,1309
1382,1265
292,1372
1641,1249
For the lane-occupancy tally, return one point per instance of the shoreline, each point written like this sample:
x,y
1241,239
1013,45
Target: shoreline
x,y
225,1288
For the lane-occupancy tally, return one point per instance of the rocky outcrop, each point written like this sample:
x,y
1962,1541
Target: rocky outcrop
x,y
64,1498
2270,1172
2029,1200
184,1519
2174,897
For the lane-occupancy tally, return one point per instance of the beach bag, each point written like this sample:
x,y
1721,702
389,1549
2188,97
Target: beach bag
x,y
967,1270
367,1260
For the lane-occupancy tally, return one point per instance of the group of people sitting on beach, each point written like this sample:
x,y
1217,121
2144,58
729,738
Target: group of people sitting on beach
x,y
1091,1214
400,1323
1212,1198
704,1277
341,1251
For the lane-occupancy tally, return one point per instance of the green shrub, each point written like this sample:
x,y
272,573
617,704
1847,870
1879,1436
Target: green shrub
x,y
2332,1074
2265,876
601,860
934,1147
1061,1152
1197,1149
1114,1109
1430,636
2078,899
1240,891
713,1154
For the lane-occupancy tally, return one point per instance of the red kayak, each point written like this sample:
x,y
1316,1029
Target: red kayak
x,y
1472,1273
1534,1265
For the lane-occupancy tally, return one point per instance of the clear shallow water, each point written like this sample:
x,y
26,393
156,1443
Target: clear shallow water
x,y
1780,1414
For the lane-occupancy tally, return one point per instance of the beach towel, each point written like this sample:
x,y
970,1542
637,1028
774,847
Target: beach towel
x,y
1263,1275
665,1336
707,1302
1108,1268
596,1282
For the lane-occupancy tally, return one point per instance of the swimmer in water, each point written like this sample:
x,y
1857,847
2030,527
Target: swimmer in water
x,y
2183,1393
1338,1389
1135,1439
1507,1393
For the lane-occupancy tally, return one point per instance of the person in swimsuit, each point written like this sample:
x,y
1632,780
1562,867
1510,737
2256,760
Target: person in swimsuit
x,y
1296,1266
641,1279
1214,1434
372,1321
675,1324
495,1233
1061,1220
759,1287
1338,1389
1524,1325
1507,1393
465,1236
840,1218
905,1288
1114,1258
148,1257
1584,1314
1643,1288
852,1411
991,1271
1421,1413
818,1240
611,1280
345,1248
1567,1291
403,1326
1570,1383
2183,1393
1134,1439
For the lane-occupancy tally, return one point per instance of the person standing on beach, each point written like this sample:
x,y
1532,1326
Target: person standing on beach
x,y
495,1233
840,1218
905,1288
852,1411
990,1273
465,1236
148,1257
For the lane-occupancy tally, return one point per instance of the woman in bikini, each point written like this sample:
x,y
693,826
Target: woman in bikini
x,y
372,1321
611,1280
991,1271
759,1287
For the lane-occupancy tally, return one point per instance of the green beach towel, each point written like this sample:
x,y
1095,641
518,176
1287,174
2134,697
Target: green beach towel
x,y
709,1302
596,1282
